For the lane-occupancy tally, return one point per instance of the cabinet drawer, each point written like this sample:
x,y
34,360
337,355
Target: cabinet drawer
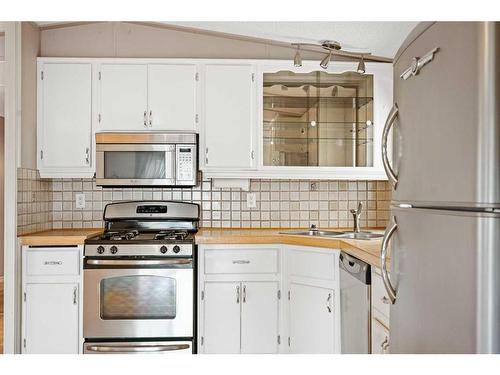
x,y
380,301
50,262
311,264
241,261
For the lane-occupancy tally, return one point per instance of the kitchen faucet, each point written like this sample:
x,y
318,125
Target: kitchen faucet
x,y
356,214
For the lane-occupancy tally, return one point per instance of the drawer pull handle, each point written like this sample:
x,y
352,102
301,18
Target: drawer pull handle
x,y
385,344
241,262
238,294
52,263
328,302
75,295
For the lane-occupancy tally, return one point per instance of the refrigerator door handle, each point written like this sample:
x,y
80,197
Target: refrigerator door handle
x,y
391,118
391,292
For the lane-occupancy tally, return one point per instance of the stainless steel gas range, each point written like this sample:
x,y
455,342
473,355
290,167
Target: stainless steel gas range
x,y
139,279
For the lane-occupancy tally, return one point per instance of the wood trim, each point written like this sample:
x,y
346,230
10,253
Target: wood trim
x,y
12,147
62,25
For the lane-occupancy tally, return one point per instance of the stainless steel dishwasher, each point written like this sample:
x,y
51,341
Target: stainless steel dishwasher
x,y
355,306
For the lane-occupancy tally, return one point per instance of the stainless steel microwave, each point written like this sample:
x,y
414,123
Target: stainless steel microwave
x,y
146,159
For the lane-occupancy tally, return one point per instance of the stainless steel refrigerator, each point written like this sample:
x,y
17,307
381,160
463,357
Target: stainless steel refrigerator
x,y
444,234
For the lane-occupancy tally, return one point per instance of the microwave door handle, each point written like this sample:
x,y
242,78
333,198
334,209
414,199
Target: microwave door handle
x,y
135,348
143,262
170,158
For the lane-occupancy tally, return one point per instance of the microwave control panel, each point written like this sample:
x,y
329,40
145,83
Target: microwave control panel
x,y
186,164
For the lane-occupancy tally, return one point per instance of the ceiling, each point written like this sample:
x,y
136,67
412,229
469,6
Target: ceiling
x,y
379,38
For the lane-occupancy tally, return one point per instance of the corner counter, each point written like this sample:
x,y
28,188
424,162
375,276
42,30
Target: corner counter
x,y
366,250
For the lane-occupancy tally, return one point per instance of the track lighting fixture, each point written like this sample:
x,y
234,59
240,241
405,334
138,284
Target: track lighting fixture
x,y
297,59
361,66
326,60
335,48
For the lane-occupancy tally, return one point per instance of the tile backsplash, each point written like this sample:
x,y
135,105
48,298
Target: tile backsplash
x,y
45,204
34,202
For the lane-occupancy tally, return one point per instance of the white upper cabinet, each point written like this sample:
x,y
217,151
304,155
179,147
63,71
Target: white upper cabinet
x,y
64,123
147,97
322,123
228,117
172,97
256,119
123,104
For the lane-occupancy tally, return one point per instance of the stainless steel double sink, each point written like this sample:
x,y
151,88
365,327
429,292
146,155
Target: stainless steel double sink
x,y
313,232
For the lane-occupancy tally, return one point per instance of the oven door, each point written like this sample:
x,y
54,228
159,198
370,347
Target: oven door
x,y
135,164
138,298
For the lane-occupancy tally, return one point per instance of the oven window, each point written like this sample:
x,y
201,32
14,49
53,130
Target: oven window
x,y
134,164
138,297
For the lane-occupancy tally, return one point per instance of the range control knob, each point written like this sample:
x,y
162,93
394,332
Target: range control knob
x,y
100,249
176,249
113,249
163,249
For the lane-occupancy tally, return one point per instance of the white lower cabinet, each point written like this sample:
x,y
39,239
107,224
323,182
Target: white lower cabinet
x,y
51,295
312,319
222,319
243,309
259,317
51,325
240,317
239,310
313,316
380,315
380,337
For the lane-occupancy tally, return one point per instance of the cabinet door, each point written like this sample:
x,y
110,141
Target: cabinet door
x,y
123,97
65,118
229,114
222,303
312,323
259,317
172,97
380,338
51,319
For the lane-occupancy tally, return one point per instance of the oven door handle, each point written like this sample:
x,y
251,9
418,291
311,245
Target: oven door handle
x,y
140,262
135,348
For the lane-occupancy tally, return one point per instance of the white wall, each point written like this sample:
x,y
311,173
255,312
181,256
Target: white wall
x,y
2,78
2,177
125,39
30,50
2,108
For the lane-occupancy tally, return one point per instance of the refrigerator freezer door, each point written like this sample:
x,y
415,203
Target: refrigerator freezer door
x,y
440,136
434,263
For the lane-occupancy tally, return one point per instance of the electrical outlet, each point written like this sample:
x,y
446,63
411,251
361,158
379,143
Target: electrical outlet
x,y
80,200
313,186
251,200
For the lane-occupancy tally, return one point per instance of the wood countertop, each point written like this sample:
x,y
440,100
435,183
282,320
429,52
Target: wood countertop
x,y
59,237
366,250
